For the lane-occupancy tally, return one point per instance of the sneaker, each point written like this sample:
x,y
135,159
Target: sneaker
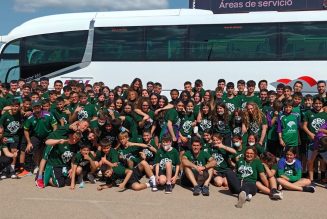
x,y
249,197
13,175
39,183
311,189
3,176
90,177
24,173
196,190
81,185
278,195
205,190
154,188
241,199
99,174
168,189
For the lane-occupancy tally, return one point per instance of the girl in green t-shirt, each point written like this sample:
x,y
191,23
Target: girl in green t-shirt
x,y
243,181
269,163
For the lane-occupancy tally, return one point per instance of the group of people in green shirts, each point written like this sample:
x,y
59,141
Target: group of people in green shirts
x,y
240,139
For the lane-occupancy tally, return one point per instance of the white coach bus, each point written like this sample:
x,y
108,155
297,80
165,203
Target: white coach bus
x,y
169,46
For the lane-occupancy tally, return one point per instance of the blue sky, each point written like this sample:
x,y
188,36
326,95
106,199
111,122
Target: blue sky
x,y
15,12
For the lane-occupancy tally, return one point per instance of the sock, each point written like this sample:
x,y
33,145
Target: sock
x,y
168,183
12,168
22,167
153,180
39,176
147,185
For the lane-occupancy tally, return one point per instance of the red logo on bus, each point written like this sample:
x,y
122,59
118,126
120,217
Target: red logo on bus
x,y
309,83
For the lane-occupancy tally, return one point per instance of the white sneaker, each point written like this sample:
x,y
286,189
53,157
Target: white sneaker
x,y
13,176
249,197
278,195
241,199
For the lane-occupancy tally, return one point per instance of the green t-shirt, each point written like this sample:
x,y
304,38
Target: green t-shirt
x,y
150,156
162,157
80,161
206,145
130,153
221,156
288,125
88,112
147,124
315,120
292,170
247,99
239,153
232,103
201,160
40,127
131,125
249,171
272,129
59,155
59,115
3,103
173,116
112,156
11,123
221,126
186,128
205,124
255,128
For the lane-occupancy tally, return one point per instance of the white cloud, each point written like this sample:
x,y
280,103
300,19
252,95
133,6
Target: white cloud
x,y
101,5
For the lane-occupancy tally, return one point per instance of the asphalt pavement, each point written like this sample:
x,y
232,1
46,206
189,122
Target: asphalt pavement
x,y
22,199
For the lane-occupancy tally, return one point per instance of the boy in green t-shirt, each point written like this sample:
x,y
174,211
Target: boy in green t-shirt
x,y
167,164
198,168
288,127
83,165
108,162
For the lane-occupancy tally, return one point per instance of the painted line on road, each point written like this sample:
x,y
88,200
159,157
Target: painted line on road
x,y
89,201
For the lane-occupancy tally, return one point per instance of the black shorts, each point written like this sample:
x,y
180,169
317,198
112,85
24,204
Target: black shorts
x,y
15,144
23,144
38,144
136,176
221,174
200,179
59,178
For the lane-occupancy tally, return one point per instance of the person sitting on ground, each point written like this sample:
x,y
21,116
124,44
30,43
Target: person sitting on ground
x,y
167,164
198,168
290,173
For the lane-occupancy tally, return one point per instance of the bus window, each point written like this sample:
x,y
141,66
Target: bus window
x,y
236,42
304,41
118,44
49,48
9,61
165,43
